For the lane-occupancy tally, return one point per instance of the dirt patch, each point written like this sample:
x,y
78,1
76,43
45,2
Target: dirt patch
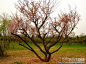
x,y
27,57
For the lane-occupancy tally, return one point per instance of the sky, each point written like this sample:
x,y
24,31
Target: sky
x,y
7,6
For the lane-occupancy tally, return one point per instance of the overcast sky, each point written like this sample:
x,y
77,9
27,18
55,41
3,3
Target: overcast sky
x,y
7,6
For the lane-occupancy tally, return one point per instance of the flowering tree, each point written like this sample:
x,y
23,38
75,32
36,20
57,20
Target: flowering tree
x,y
35,21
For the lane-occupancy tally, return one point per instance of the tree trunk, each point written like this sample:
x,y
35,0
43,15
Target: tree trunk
x,y
46,58
49,57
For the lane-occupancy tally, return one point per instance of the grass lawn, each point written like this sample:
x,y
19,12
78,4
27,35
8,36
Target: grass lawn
x,y
20,55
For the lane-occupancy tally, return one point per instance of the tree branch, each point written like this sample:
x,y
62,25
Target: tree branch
x,y
43,22
57,49
25,46
55,42
50,40
26,34
22,40
29,46
56,29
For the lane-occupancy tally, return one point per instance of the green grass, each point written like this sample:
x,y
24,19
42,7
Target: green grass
x,y
17,62
66,47
71,45
67,51
15,46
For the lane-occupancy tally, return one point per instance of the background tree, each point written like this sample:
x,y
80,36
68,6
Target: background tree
x,y
3,33
3,27
35,21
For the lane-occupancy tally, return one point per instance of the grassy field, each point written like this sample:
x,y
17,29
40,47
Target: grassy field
x,y
20,55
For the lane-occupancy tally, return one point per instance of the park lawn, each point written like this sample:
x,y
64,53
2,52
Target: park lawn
x,y
20,55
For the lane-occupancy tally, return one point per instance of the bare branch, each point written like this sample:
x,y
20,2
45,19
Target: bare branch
x,y
57,49
24,46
